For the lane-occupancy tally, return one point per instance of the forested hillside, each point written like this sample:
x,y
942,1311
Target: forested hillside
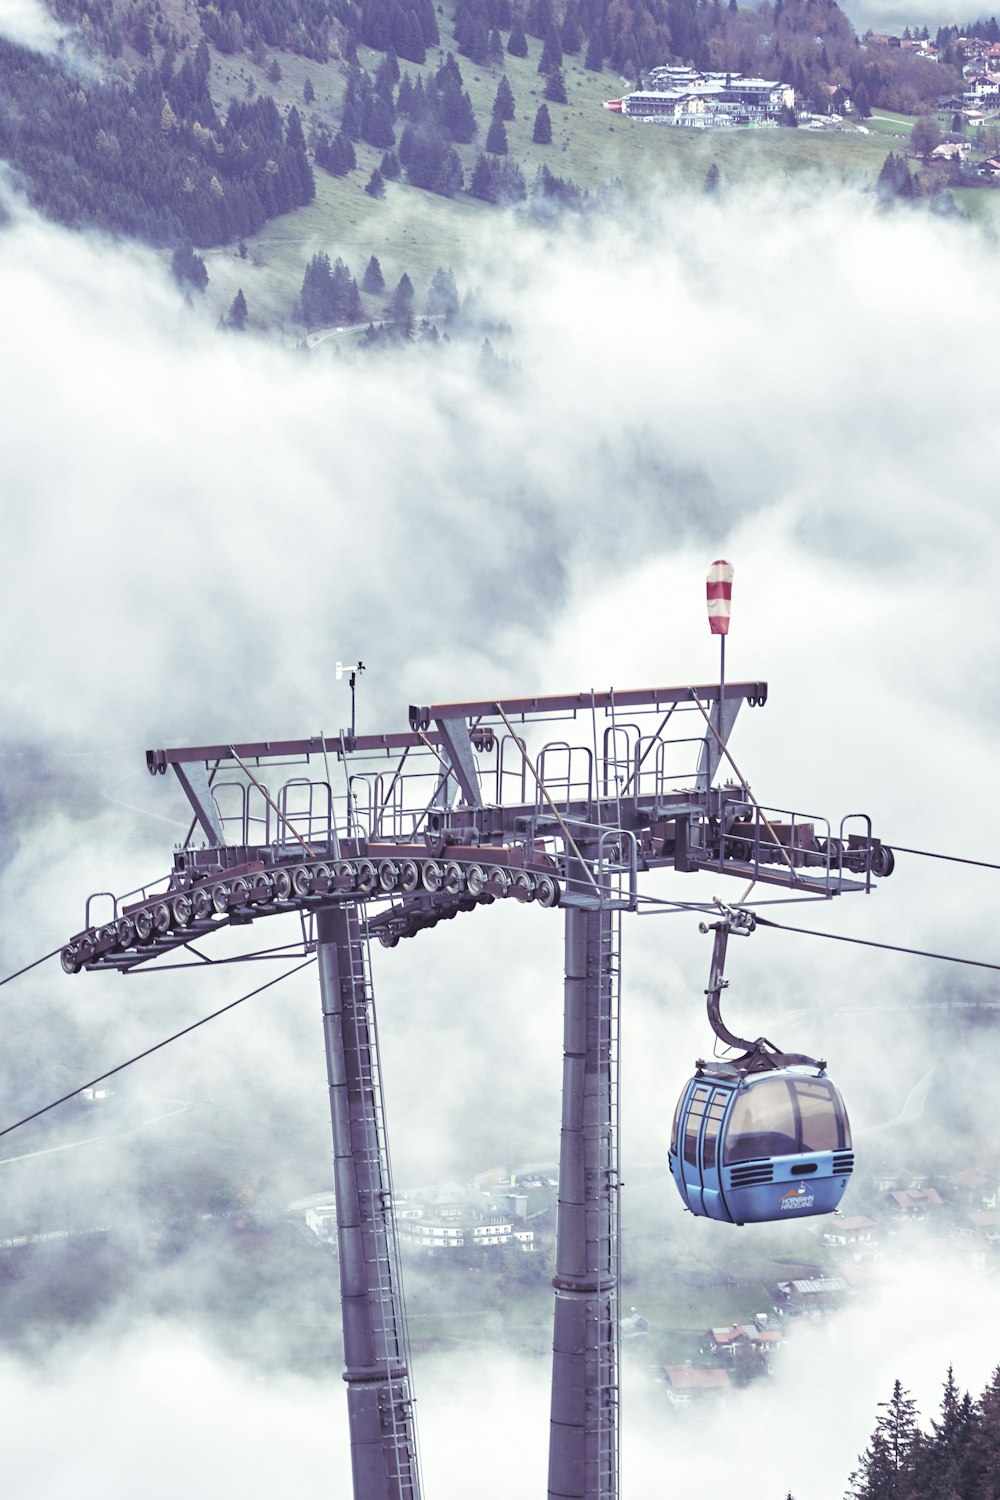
x,y
150,158
158,142
798,41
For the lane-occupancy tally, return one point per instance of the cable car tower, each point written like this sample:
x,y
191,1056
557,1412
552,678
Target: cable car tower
x,y
564,801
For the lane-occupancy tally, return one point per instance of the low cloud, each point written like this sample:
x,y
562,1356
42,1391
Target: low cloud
x,y
30,24
198,527
115,1398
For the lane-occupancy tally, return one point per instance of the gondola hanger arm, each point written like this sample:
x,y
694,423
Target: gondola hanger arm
x,y
761,1054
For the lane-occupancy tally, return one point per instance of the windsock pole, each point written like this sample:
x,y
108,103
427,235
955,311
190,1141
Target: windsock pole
x,y
719,594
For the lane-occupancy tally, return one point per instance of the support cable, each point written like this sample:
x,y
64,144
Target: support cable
x,y
838,937
28,967
156,1047
955,859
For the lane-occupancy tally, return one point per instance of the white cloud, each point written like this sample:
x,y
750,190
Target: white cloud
x,y
197,527
30,24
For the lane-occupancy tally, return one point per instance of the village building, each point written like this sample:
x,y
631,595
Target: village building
x,y
973,1188
849,1233
914,1203
950,151
634,1326
986,1222
686,1384
450,1226
814,1294
726,1341
701,101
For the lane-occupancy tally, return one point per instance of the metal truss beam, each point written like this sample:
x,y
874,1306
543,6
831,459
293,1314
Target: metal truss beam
x,y
657,697
455,735
157,761
195,780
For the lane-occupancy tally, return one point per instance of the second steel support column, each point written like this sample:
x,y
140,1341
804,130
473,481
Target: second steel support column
x,y
583,1442
379,1410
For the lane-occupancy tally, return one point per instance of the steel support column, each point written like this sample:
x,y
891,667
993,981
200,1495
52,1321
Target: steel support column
x,y
583,1438
379,1406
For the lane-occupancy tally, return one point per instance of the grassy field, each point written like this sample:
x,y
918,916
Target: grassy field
x,y
416,231
981,204
884,122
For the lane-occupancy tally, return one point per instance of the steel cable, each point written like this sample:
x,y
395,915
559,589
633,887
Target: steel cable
x,y
155,1048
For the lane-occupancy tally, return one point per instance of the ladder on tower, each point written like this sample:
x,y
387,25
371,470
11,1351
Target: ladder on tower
x,y
382,1259
608,1394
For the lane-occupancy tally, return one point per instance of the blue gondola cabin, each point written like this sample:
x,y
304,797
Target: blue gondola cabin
x,y
771,1146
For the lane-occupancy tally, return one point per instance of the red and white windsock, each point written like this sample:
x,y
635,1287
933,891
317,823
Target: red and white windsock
x,y
719,591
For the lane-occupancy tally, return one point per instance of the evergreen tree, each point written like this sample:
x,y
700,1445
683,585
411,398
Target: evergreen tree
x,y
594,58
373,280
711,187
294,134
983,1458
888,1461
237,316
946,1457
428,160
387,75
404,99
375,186
308,92
542,133
335,156
481,184
401,306
538,18
188,269
862,107
509,184
315,294
456,114
496,138
376,122
496,180
517,42
552,55
894,181
570,35
442,295
503,104
345,300
555,87
274,71
389,166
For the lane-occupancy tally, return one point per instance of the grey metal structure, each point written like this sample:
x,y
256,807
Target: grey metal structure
x,y
386,835
380,1411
